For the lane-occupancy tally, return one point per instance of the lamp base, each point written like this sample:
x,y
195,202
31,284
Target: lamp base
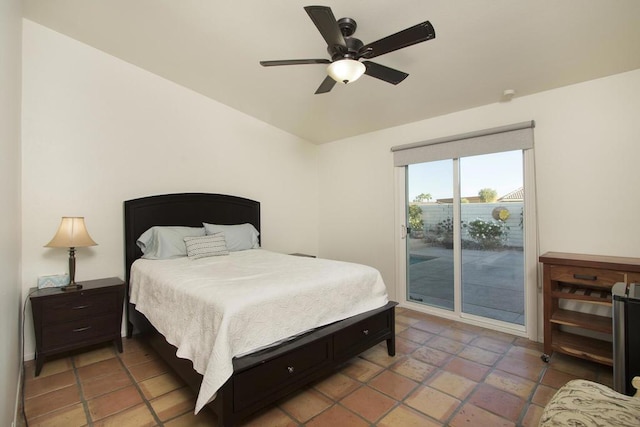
x,y
72,287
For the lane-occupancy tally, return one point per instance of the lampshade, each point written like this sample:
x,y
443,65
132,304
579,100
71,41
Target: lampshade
x,y
346,70
72,233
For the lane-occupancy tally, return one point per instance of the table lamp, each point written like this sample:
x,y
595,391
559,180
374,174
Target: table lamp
x,y
71,234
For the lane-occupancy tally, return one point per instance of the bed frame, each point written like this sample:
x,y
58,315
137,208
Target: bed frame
x,y
263,377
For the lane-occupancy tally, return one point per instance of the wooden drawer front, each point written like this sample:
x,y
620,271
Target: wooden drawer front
x,y
586,276
262,380
70,333
367,330
60,310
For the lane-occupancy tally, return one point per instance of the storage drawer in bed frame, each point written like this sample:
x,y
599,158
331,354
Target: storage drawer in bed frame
x,y
355,339
259,382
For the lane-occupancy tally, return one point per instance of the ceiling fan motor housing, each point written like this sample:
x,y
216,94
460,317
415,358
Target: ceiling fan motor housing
x,y
353,47
347,28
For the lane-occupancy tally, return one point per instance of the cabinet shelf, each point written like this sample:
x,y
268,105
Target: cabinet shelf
x,y
584,347
582,320
582,293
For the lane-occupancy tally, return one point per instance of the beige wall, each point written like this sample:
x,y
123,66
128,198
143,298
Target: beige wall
x,y
98,131
10,48
587,146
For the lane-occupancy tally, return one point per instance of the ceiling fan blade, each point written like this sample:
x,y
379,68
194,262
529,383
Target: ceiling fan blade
x,y
323,18
327,84
294,62
413,35
385,73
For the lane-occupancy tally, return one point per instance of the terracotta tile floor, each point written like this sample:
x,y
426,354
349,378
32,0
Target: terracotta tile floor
x,y
444,373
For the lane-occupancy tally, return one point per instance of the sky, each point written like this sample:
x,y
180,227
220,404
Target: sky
x,y
499,171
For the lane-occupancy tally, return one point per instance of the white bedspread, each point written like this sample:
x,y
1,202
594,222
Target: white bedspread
x,y
213,309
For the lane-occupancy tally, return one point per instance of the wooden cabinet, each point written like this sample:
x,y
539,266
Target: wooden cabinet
x,y
585,282
68,320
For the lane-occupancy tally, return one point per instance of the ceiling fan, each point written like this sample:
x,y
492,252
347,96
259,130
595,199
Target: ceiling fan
x,y
347,51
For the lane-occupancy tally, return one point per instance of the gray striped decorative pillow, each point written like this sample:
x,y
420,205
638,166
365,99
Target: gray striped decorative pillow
x,y
204,246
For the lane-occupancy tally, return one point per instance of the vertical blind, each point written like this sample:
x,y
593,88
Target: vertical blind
x,y
518,136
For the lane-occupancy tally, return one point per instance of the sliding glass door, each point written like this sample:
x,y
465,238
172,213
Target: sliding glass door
x,y
465,244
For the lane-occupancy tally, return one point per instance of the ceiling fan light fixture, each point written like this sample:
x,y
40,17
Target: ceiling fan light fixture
x,y
346,70
347,52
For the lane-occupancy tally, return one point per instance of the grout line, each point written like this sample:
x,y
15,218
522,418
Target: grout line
x,y
83,400
137,386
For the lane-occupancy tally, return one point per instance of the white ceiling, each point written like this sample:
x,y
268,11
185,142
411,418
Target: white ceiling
x,y
482,47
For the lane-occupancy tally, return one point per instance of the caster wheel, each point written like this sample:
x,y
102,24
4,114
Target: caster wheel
x,y
545,358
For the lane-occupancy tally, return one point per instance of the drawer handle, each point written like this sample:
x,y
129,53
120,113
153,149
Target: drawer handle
x,y
365,332
585,277
290,369
79,307
82,329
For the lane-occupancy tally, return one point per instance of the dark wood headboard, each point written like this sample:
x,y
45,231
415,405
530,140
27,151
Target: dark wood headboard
x,y
186,209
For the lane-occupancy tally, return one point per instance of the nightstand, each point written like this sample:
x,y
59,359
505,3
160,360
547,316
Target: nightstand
x,y
69,320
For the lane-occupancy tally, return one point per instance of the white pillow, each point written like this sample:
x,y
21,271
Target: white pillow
x,y
239,237
200,247
160,242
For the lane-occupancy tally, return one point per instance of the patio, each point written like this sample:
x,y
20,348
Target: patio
x,y
493,282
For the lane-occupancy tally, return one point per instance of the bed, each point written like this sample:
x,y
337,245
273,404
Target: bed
x,y
265,375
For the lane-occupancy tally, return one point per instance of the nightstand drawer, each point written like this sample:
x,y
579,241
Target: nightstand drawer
x,y
72,333
79,306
